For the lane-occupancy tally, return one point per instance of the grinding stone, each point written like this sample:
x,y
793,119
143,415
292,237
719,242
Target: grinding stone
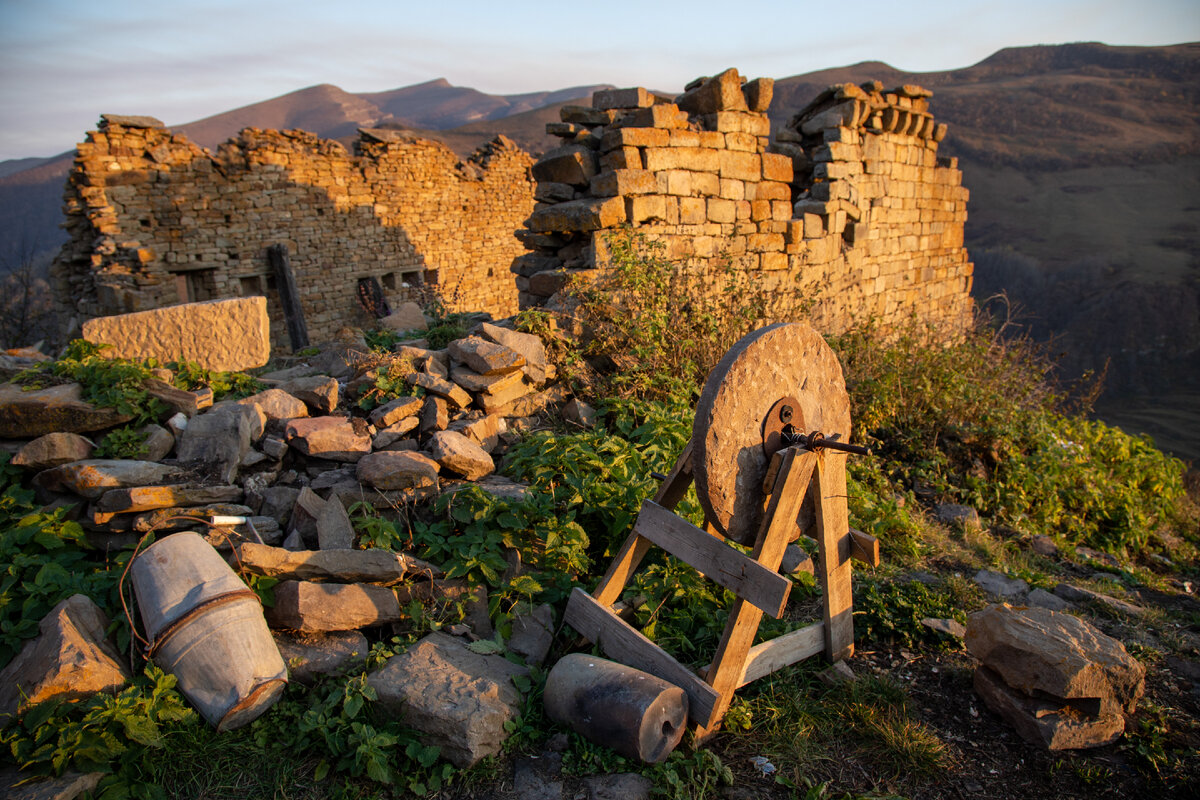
x,y
729,462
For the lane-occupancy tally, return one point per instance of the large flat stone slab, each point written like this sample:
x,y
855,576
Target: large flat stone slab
x,y
92,477
314,607
225,335
346,566
24,415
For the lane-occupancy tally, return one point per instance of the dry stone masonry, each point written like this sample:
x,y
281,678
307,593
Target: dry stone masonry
x,y
155,220
848,209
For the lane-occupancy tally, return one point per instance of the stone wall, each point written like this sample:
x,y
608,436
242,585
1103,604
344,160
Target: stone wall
x,y
849,212
156,220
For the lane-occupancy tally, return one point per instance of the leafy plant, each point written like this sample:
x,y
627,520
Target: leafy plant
x,y
116,383
894,610
225,385
690,777
390,382
124,442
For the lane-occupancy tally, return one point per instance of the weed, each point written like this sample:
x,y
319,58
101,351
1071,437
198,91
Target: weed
x,y
125,442
893,610
225,385
690,777
390,382
116,383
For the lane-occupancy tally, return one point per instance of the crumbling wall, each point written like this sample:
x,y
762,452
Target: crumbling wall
x,y
156,220
849,213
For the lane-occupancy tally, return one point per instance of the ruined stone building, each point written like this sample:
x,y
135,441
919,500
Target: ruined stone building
x,y
847,210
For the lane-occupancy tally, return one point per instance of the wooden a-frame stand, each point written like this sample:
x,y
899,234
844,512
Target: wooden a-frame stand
x,y
753,578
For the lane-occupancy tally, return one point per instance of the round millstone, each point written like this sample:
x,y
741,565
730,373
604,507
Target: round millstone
x,y
729,462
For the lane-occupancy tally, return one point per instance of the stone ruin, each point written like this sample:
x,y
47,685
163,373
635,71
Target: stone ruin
x,y
847,210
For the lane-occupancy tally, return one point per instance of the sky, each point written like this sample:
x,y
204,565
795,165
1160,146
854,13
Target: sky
x,y
64,62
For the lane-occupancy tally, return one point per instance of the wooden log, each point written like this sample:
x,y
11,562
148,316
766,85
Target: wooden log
x,y
289,298
864,547
763,588
621,642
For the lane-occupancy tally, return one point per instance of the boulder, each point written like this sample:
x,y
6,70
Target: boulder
x,y
332,438
148,498
54,449
158,444
217,439
70,659
91,478
55,409
528,345
224,335
456,453
459,700
277,405
406,317
394,411
310,607
311,655
318,392
334,530
342,566
1055,726
391,470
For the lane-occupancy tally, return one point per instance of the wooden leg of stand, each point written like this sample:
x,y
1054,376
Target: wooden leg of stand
x,y
725,674
833,542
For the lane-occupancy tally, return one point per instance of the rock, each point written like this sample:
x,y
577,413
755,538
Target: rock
x,y
996,584
1051,654
1088,554
1080,594
527,344
836,673
394,411
277,502
496,400
588,214
496,485
342,566
956,515
177,519
485,431
720,93
277,405
148,498
310,607
457,453
580,413
158,444
435,415
70,659
318,392
570,164
224,538
224,335
796,559
305,512
451,392
334,531
458,700
474,382
950,627
55,409
406,317
311,655
537,778
90,478
52,450
398,470
218,439
1044,546
1055,726
1040,598
532,634
758,94
332,438
533,404
393,433
68,786
619,786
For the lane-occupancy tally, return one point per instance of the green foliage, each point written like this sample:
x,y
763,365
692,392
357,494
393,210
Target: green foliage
x,y
697,776
893,611
225,385
124,442
390,382
446,329
100,733
382,340
116,383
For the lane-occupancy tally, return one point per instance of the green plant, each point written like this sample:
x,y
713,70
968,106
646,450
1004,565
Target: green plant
x,y
225,385
116,383
124,442
893,611
389,382
690,777
381,340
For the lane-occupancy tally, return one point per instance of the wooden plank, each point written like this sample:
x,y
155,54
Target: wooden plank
x,y
763,588
678,480
289,297
828,492
779,521
767,657
864,547
623,643
188,403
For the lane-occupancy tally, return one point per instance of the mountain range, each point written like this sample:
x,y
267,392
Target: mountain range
x,y
1083,162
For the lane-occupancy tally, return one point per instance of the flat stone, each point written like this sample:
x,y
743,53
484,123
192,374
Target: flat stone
x,y
390,470
148,498
532,634
342,566
406,317
720,93
218,440
498,401
585,215
619,786
758,94
318,392
1047,653
950,627
1080,594
474,382
569,164
55,409
332,438
334,531
54,449
435,415
484,357
393,411
305,512
496,485
256,418
278,405
70,659
451,392
224,335
953,514
458,700
999,585
309,656
1055,726
92,477
68,786
177,519
393,433
528,345
1040,598
458,454
276,502
158,444
485,431
310,607
130,121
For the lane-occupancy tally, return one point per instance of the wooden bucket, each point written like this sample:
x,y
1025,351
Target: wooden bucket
x,y
207,629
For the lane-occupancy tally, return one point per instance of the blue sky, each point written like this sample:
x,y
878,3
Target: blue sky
x,y
64,62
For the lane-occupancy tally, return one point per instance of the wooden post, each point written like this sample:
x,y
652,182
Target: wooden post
x,y
828,492
285,282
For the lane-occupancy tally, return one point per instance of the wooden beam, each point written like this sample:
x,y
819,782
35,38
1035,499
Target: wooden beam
x,y
763,588
768,657
678,480
864,547
621,642
828,492
779,521
289,297
188,403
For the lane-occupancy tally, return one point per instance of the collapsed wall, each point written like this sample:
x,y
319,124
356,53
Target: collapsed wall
x,y
155,220
848,214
